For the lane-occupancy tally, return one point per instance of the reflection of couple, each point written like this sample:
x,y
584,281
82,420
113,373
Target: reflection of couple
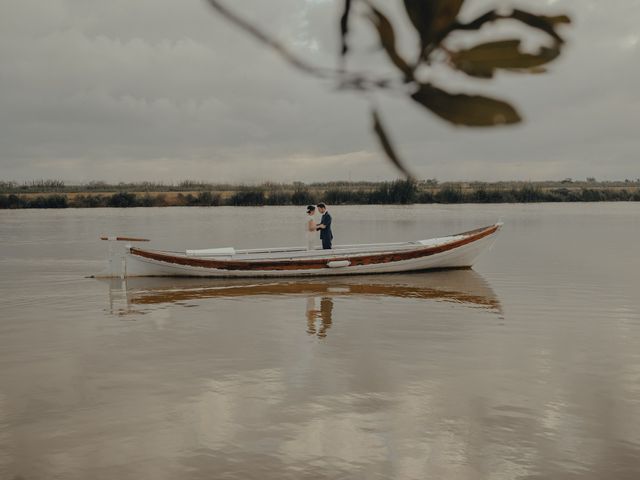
x,y
324,314
324,227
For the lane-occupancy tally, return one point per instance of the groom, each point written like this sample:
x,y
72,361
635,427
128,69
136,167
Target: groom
x,y
325,227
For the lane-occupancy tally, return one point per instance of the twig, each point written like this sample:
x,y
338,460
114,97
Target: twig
x,y
266,39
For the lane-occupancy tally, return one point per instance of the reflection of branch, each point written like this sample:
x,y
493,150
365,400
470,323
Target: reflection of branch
x,y
264,38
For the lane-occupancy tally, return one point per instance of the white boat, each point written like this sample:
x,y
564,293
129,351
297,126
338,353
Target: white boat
x,y
453,251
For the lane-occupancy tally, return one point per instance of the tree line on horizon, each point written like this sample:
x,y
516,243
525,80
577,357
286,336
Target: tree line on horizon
x,y
60,186
399,192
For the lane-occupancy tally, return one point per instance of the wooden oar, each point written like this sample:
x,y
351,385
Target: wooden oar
x,y
126,239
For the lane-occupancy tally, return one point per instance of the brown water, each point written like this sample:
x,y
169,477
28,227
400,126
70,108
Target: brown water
x,y
527,367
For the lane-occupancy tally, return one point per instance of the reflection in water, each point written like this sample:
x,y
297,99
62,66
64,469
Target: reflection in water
x,y
417,377
465,287
323,315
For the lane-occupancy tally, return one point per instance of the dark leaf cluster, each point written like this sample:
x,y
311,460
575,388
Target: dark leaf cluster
x,y
434,23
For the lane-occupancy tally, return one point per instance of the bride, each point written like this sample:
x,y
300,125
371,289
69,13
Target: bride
x,y
311,227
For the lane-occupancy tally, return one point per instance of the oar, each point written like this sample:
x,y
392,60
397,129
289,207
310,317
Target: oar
x,y
126,239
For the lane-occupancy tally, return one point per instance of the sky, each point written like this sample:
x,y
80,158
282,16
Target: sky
x,y
165,91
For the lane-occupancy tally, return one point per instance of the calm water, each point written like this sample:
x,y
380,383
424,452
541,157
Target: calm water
x,y
527,367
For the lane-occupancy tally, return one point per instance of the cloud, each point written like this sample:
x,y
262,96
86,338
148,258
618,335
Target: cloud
x,y
160,90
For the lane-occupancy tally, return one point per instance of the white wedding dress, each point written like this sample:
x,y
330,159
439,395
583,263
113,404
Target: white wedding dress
x,y
312,236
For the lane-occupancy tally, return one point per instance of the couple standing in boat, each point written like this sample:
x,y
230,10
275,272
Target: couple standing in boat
x,y
324,227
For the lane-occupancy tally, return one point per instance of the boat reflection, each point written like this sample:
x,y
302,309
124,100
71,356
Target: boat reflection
x,y
464,287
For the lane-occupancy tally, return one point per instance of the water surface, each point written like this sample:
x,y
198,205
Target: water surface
x,y
527,367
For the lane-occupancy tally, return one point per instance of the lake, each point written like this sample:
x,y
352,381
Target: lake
x,y
526,367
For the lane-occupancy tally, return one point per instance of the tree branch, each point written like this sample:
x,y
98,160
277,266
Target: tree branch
x,y
263,37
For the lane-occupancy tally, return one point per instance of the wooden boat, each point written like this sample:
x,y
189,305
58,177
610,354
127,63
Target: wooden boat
x,y
453,251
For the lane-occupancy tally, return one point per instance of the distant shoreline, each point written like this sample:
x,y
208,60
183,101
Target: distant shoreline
x,y
54,194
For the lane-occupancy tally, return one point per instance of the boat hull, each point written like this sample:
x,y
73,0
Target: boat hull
x,y
460,252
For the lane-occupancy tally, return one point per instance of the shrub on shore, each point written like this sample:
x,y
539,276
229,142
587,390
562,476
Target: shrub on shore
x,y
208,199
41,201
396,192
449,194
122,200
301,197
89,201
49,201
249,198
278,197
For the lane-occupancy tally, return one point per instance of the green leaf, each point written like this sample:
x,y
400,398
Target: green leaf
x,y
468,110
432,17
556,19
541,22
482,60
421,15
385,142
388,41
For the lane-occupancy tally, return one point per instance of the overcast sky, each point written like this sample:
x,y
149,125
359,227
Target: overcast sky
x,y
165,90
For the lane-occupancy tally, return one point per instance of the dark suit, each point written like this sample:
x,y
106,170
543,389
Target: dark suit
x,y
325,233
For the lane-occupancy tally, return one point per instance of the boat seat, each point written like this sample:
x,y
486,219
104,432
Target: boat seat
x,y
432,242
212,252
